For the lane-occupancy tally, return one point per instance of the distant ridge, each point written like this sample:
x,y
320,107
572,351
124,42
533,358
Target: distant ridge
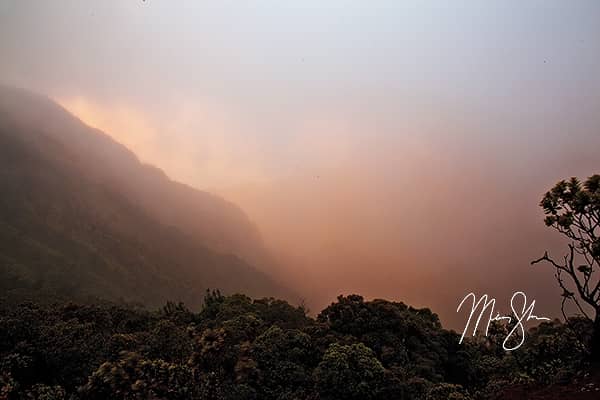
x,y
81,215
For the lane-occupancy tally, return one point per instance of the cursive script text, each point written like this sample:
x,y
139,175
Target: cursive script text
x,y
521,310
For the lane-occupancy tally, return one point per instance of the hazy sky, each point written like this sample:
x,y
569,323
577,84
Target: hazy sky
x,y
227,91
384,101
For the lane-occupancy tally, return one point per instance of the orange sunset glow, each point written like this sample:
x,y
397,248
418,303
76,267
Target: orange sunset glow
x,y
299,200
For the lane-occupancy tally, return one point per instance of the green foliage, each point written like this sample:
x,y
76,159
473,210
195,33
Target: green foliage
x,y
349,372
554,352
400,335
284,361
44,392
237,348
133,377
446,391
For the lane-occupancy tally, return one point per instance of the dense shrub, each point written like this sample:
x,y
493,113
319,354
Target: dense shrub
x,y
237,348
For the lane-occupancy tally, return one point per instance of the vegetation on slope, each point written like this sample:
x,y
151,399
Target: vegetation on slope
x,y
238,348
79,217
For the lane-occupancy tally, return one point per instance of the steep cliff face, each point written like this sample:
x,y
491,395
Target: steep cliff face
x,y
81,214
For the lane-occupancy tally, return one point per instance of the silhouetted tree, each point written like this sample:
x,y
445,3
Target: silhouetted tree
x,y
573,209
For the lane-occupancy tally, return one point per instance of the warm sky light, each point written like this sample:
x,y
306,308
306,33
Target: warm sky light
x,y
373,126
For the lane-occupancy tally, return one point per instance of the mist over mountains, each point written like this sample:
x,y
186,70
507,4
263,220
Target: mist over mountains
x,y
81,216
217,200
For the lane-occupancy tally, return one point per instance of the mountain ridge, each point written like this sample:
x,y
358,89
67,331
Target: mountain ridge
x,y
76,199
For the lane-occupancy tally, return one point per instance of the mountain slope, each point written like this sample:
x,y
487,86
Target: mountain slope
x,y
80,215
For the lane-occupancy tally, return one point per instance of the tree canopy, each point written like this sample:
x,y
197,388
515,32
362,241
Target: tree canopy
x,y
573,209
240,348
